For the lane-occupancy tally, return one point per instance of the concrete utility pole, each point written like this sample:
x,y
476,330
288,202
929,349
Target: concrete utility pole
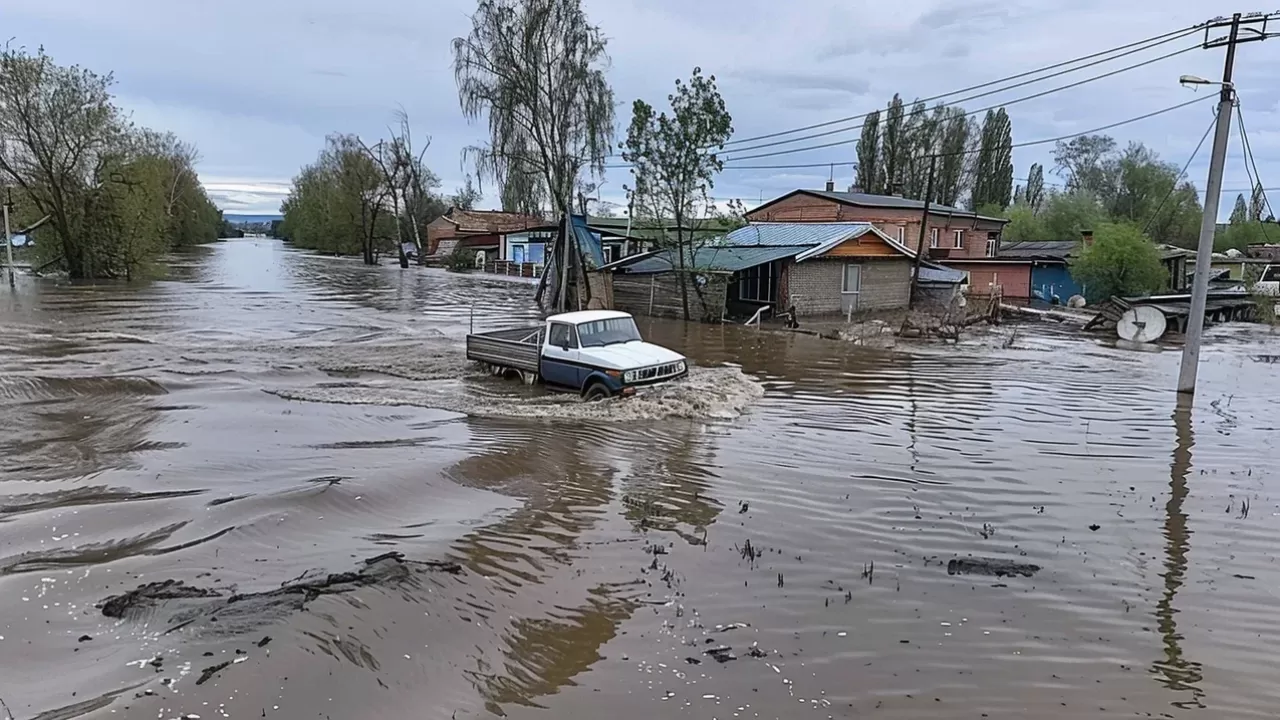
x,y
8,238
924,230
1213,189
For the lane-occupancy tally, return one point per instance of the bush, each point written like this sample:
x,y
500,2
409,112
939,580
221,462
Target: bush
x,y
1121,261
462,259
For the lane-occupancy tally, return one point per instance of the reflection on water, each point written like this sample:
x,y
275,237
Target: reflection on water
x,y
263,415
1177,671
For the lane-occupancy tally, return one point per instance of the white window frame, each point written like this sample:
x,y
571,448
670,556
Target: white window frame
x,y
933,237
957,239
902,234
993,245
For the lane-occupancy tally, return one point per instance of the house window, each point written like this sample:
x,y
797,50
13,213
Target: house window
x,y
759,283
933,237
993,244
958,243
902,234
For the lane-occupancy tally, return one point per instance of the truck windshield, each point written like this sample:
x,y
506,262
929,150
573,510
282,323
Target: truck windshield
x,y
607,332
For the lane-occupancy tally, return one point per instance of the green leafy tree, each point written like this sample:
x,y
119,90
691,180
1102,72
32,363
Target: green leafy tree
x,y
1087,163
869,153
954,134
339,203
673,160
993,173
892,148
1258,203
1034,191
1240,213
1024,224
1121,261
465,197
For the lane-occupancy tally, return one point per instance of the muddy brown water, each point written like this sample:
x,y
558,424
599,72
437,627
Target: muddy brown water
x,y
264,417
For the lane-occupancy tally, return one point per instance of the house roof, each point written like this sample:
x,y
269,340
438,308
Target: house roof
x,y
1039,250
882,201
492,221
936,274
710,258
817,238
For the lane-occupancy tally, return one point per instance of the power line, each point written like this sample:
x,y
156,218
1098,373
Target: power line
x,y
991,92
1028,143
1256,178
1176,180
1166,37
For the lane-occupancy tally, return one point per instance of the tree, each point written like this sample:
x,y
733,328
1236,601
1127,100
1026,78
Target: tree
x,y
465,197
673,159
953,141
1121,261
1257,203
869,153
1240,213
993,174
534,67
1034,191
1024,224
1083,161
892,148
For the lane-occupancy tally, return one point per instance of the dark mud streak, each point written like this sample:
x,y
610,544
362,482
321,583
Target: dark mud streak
x,y
99,495
87,554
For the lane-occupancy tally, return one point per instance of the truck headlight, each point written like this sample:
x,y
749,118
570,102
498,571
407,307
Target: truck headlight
x,y
629,376
680,366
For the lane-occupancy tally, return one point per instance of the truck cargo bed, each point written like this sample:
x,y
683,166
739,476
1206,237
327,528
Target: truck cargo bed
x,y
517,348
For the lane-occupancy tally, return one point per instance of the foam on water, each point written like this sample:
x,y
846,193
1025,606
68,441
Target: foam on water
x,y
705,394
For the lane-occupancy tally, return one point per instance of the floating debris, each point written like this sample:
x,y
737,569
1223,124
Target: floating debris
x,y
990,566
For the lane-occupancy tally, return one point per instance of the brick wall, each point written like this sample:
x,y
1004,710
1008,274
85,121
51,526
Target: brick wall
x,y
894,223
815,286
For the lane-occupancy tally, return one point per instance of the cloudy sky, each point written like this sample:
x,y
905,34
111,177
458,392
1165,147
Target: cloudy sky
x,y
257,84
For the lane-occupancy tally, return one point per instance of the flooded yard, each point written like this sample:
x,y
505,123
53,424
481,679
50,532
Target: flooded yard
x,y
801,528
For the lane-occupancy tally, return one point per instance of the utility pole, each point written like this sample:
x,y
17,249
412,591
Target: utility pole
x,y
1213,189
8,239
924,230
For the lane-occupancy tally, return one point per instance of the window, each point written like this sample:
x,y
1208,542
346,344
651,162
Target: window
x,y
933,237
1271,274
958,243
607,332
563,335
902,234
759,283
852,278
993,244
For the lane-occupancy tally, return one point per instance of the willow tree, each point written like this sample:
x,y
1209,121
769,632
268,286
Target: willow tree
x,y
535,69
673,159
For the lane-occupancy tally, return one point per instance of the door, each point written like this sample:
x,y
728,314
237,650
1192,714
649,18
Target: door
x,y
560,357
852,288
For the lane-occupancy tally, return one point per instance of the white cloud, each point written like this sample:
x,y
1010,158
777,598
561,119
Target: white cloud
x,y
258,85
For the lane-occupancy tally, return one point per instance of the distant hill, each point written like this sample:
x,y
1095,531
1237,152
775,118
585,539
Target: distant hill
x,y
233,218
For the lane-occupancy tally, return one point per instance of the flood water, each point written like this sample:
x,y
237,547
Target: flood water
x,y
263,421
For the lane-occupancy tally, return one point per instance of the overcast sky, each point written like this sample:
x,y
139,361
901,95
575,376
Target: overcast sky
x,y
257,84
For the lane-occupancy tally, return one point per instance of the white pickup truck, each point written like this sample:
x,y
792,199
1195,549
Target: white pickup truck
x,y
1269,282
598,353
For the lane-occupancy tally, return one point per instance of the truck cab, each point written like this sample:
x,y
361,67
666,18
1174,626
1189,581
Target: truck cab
x,y
600,353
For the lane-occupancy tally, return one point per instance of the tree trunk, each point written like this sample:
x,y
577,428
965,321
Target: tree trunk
x,y
684,276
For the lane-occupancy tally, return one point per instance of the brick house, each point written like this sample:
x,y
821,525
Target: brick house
x,y
952,233
817,268
482,230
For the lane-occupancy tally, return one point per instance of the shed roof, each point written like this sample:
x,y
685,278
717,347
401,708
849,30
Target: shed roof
x,y
937,274
1039,249
711,258
817,238
882,201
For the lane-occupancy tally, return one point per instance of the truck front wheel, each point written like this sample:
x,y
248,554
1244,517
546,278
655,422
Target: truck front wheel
x,y
597,391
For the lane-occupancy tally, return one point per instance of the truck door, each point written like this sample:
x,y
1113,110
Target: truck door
x,y
560,357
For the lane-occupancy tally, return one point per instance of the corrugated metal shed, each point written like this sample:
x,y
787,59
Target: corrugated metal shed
x,y
711,259
795,234
936,274
1042,249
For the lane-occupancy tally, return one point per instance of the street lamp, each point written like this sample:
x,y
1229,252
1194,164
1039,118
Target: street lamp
x,y
1194,81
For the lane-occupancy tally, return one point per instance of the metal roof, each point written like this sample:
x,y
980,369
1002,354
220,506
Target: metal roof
x,y
717,258
794,234
1029,250
940,275
885,201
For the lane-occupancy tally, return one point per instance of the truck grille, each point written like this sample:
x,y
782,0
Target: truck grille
x,y
657,372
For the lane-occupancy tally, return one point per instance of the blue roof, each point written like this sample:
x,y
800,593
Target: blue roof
x,y
713,258
587,240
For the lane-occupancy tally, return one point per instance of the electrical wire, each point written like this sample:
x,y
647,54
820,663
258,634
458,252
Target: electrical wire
x,y
1015,101
1178,179
1166,37
1255,179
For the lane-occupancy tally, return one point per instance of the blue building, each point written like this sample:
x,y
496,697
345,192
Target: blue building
x,y
1051,279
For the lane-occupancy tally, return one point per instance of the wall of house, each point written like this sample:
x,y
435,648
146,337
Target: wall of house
x,y
438,230
1014,279
815,286
659,294
1050,280
904,224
